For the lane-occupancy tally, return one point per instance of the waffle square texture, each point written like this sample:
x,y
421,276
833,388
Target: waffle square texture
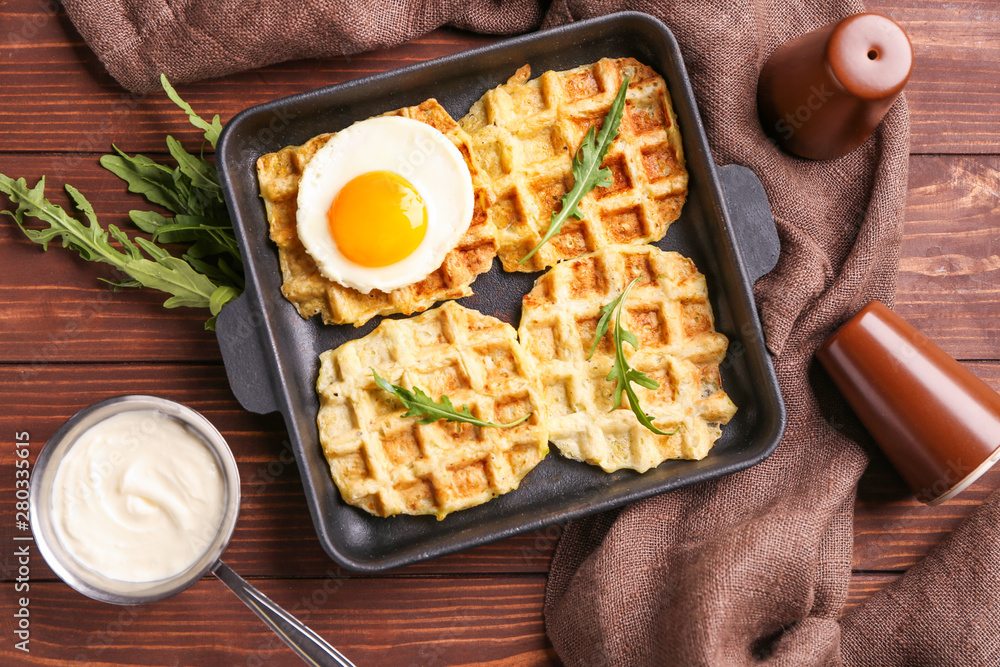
x,y
311,293
669,312
387,464
525,134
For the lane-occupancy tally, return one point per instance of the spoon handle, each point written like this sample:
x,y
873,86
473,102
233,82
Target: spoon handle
x,y
309,646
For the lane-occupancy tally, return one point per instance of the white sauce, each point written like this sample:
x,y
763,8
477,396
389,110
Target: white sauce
x,y
138,497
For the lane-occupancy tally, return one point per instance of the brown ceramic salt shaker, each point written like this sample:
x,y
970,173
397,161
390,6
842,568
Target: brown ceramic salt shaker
x,y
822,94
937,423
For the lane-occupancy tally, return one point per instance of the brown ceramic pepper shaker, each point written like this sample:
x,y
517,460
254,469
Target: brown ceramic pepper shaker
x,y
937,422
823,93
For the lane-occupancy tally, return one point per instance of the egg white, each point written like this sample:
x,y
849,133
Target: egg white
x,y
416,151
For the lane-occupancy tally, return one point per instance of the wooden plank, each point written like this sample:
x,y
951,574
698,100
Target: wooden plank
x,y
57,96
949,277
275,534
892,530
863,586
416,621
953,93
53,308
425,621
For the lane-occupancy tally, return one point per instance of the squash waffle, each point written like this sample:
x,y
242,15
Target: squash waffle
x,y
388,464
669,312
312,293
525,134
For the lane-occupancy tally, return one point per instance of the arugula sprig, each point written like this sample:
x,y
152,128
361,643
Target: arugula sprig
x,y
208,273
419,404
622,373
587,170
161,271
212,129
191,191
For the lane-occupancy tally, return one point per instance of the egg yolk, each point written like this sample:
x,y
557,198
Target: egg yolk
x,y
377,219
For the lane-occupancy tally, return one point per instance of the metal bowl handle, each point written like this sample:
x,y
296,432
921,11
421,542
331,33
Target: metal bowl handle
x,y
309,646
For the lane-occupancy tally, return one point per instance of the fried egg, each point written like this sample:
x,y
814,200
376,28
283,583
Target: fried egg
x,y
383,202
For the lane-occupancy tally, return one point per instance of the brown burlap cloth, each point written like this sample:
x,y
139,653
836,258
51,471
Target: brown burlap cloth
x,y
752,568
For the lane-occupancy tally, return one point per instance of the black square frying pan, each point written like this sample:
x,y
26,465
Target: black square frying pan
x,y
271,354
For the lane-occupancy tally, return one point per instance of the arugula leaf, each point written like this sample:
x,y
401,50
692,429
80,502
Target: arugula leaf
x,y
148,221
201,173
153,181
235,279
219,273
212,130
220,297
621,373
602,324
419,404
587,170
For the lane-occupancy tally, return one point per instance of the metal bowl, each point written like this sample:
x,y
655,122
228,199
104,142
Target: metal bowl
x,y
82,578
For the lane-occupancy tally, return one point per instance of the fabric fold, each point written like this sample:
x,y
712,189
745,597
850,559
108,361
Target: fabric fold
x,y
190,40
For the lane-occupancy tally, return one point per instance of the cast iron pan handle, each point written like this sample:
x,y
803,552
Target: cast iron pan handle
x,y
752,221
243,353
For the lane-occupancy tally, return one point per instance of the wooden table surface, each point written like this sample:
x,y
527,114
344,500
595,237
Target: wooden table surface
x,y
68,341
